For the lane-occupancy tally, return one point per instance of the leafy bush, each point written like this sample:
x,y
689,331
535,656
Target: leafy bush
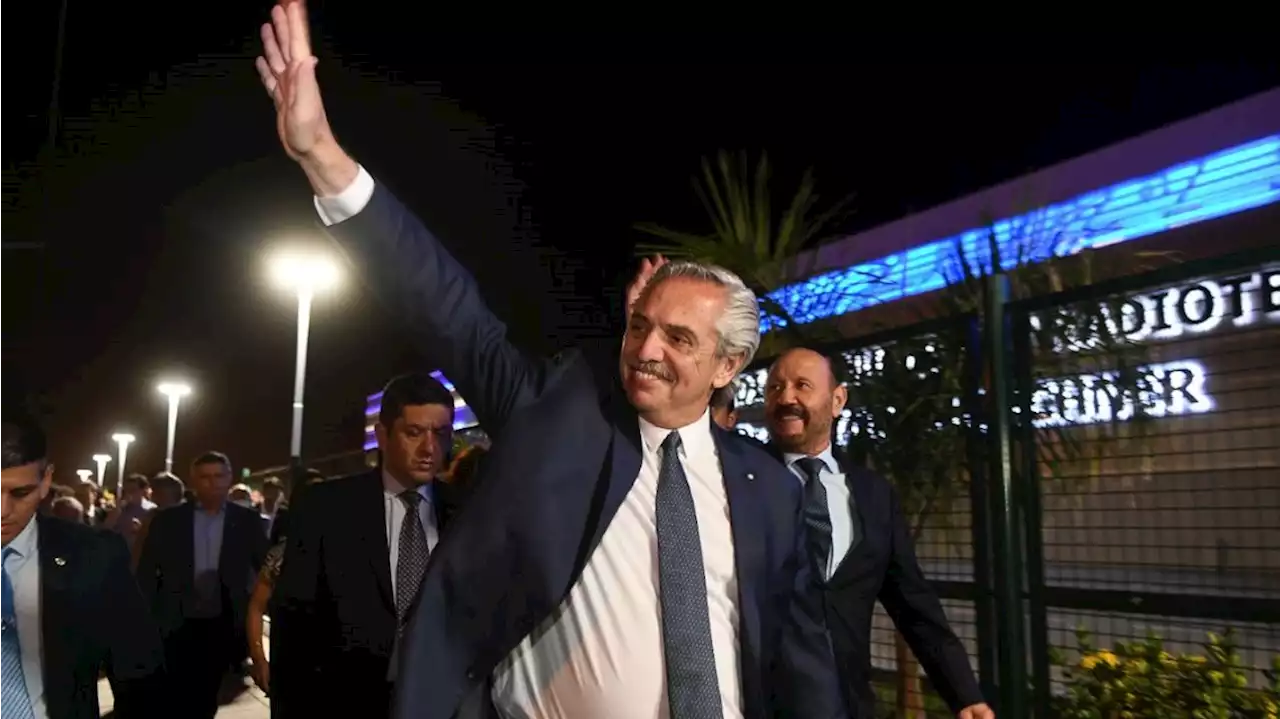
x,y
1141,680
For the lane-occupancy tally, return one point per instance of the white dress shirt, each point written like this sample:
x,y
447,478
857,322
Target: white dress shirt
x,y
600,654
394,513
23,567
838,506
348,203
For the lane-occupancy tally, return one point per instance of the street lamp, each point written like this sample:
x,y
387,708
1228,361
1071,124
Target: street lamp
x,y
84,474
175,391
101,460
304,275
122,440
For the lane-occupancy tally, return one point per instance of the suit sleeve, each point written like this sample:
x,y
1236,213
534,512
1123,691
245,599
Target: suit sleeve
x,y
408,268
259,544
914,607
149,557
135,655
806,682
298,642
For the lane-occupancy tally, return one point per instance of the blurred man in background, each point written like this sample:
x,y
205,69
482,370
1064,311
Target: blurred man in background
x,y
197,567
723,411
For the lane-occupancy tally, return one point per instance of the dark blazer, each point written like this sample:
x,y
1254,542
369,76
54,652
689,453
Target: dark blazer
x,y
93,618
334,616
166,568
566,450
280,527
883,565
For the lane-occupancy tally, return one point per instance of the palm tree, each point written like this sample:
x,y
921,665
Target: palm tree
x,y
746,239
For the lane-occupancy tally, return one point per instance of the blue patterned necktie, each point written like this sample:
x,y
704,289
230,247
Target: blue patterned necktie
x,y
817,516
413,554
693,690
17,703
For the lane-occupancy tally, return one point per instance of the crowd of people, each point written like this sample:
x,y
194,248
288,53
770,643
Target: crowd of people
x,y
164,590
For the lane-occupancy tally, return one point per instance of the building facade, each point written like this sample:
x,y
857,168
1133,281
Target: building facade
x,y
1158,478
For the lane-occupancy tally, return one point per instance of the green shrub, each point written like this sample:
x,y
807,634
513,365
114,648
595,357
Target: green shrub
x,y
1141,680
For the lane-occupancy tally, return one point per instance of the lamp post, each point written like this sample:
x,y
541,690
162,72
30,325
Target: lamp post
x,y
122,440
175,391
101,460
84,474
304,275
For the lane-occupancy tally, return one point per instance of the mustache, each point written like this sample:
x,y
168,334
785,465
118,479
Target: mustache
x,y
791,410
654,368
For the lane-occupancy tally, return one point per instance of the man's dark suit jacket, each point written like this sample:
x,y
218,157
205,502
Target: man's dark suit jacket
x,y
883,566
166,569
333,624
92,617
566,450
280,527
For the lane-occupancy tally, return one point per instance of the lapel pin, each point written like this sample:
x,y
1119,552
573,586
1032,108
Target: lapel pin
x,y
750,477
60,561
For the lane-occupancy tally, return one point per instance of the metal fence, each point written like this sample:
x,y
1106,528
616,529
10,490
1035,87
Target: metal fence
x,y
1104,460
335,465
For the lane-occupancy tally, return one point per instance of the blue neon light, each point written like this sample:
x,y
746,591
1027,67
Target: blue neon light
x,y
1233,180
463,416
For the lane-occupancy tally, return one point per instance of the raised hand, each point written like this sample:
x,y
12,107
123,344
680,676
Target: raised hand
x,y
648,266
288,71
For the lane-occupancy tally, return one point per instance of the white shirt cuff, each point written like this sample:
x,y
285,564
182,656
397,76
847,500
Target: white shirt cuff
x,y
348,203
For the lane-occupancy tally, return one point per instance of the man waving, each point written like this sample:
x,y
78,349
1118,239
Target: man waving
x,y
621,556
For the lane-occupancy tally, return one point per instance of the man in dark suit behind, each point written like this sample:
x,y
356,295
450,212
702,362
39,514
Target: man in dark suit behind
x,y
196,570
620,556
859,542
356,551
71,607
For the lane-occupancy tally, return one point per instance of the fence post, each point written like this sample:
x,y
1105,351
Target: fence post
x,y
1033,517
984,606
1006,544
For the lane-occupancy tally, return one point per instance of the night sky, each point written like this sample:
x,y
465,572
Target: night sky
x,y
134,251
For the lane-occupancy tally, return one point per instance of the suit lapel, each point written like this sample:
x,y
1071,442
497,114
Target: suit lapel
x,y
860,493
622,469
371,515
185,542
746,518
57,566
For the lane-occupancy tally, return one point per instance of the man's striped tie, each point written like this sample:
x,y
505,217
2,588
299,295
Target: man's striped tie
x,y
17,703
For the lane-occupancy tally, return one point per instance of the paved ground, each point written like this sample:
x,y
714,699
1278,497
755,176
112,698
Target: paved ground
x,y
247,703
240,700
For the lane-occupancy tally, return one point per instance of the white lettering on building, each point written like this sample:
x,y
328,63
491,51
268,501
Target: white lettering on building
x,y
1196,308
1157,390
1161,390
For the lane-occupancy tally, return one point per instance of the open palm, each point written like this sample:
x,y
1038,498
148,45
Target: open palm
x,y
288,71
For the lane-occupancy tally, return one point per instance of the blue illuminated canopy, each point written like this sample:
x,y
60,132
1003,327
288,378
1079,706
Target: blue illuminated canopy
x,y
1233,180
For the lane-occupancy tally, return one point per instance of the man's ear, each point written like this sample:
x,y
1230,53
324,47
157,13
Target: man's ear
x,y
839,398
46,482
727,370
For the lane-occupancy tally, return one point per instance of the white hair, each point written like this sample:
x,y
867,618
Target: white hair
x,y
739,324
68,502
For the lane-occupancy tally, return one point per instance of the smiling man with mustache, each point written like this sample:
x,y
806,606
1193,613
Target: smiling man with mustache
x,y
620,556
858,541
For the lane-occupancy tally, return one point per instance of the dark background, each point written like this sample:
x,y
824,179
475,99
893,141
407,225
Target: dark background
x,y
134,249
